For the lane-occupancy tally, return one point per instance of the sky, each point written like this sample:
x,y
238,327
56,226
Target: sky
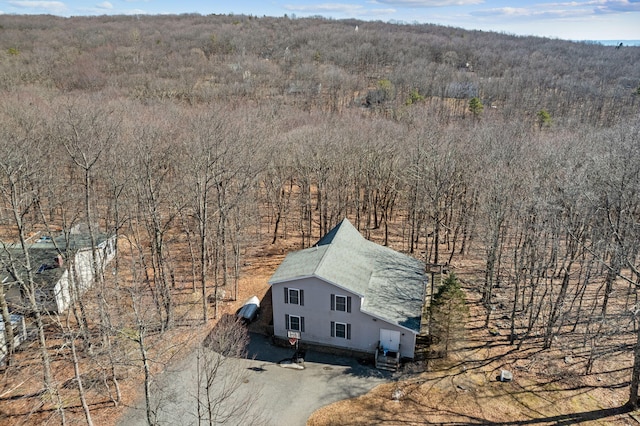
x,y
570,20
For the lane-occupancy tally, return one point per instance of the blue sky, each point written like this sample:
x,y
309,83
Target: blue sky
x,y
566,19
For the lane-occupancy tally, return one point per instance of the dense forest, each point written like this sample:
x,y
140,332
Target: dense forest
x,y
195,137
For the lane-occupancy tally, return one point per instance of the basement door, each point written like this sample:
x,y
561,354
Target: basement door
x,y
390,339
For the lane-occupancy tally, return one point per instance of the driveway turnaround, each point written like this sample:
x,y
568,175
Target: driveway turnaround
x,y
266,393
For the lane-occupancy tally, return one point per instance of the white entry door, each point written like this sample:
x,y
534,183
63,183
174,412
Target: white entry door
x,y
390,339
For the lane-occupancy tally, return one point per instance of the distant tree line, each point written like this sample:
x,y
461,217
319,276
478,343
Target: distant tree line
x,y
194,137
319,64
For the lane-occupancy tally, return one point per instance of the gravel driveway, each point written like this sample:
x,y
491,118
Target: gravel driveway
x,y
283,396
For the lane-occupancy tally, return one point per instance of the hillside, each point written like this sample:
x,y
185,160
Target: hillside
x,y
317,64
212,145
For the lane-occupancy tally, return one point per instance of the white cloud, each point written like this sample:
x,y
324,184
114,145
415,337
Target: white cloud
x,y
383,11
325,7
104,5
50,6
563,9
429,3
503,11
618,6
542,10
378,14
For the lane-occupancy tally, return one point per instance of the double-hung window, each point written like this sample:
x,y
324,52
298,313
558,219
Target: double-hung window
x,y
294,322
340,330
340,303
294,296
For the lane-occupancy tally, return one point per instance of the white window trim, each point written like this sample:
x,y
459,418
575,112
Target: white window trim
x,y
288,326
297,291
344,298
335,330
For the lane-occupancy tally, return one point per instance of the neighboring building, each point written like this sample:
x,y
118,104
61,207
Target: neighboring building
x,y
19,334
350,293
51,268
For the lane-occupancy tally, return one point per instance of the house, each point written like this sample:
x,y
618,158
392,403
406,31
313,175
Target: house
x,y
19,334
56,263
347,292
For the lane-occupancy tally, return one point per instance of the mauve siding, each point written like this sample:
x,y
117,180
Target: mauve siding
x,y
317,313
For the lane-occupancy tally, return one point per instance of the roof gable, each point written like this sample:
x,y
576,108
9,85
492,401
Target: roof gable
x,y
390,283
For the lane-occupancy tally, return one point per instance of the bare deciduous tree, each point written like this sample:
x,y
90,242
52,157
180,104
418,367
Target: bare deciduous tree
x,y
219,397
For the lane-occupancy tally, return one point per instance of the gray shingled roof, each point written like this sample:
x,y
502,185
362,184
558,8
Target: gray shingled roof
x,y
390,283
42,257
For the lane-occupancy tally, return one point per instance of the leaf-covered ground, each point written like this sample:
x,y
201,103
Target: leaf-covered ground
x,y
549,387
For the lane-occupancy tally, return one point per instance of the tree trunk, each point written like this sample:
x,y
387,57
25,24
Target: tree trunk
x,y
81,394
635,375
8,327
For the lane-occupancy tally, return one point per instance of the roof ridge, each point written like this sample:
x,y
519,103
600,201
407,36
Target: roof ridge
x,y
330,245
389,282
